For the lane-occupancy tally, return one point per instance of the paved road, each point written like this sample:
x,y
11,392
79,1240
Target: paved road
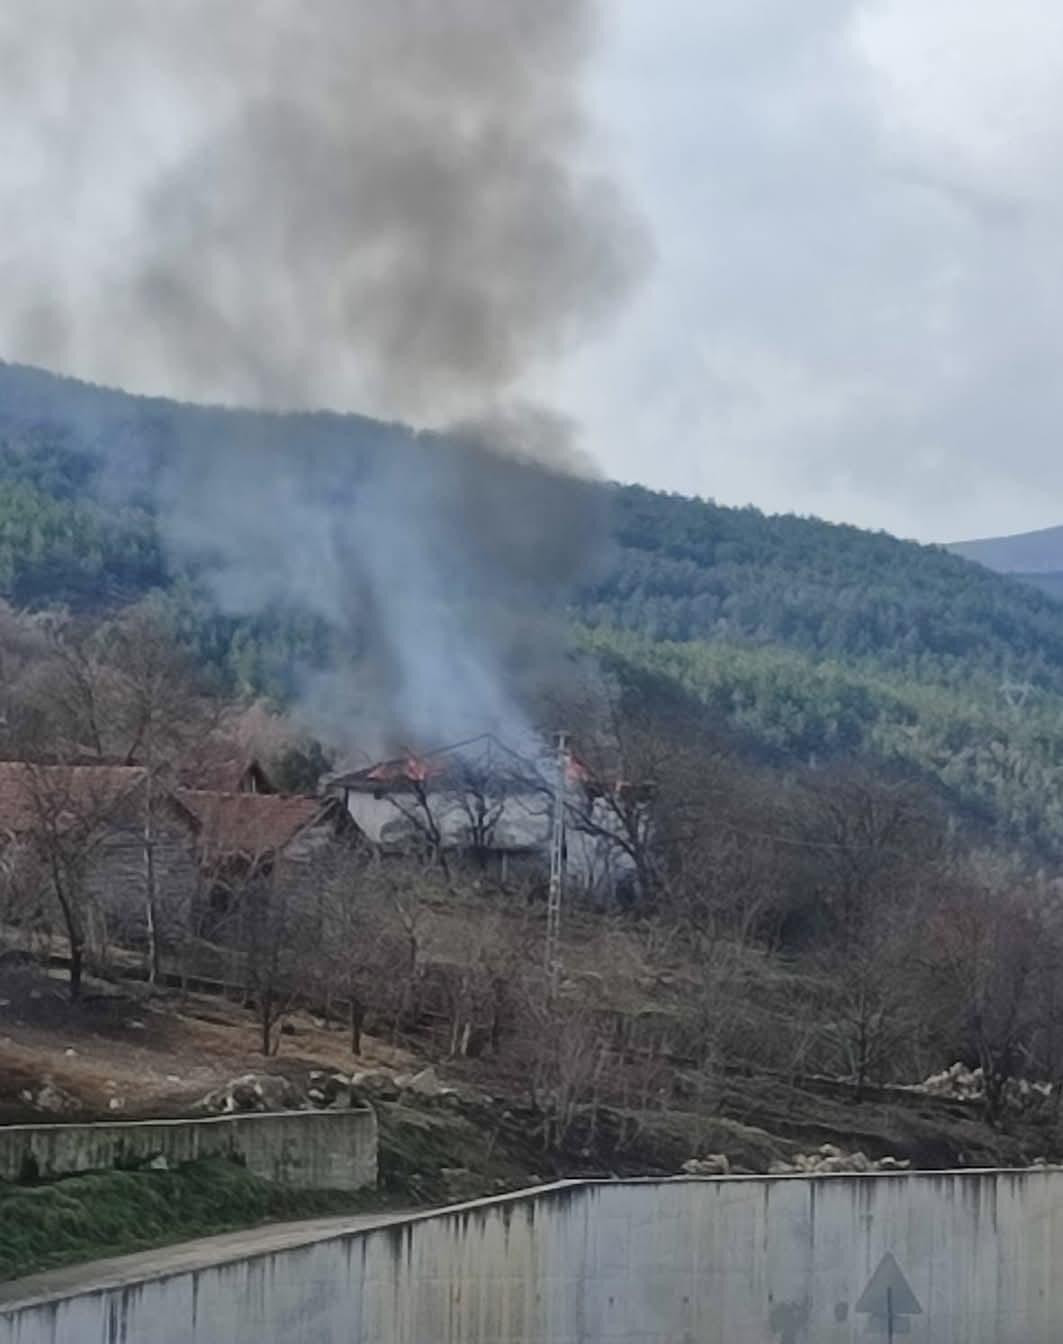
x,y
188,1255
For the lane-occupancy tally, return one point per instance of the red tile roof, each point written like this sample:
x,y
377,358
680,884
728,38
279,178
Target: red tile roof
x,y
251,824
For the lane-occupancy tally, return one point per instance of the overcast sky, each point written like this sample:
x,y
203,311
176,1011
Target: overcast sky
x,y
856,207
857,307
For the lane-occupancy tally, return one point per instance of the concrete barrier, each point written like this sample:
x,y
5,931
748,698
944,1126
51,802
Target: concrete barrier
x,y
314,1150
956,1258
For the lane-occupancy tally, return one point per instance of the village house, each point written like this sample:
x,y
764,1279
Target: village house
x,y
485,805
247,837
270,863
110,834
131,849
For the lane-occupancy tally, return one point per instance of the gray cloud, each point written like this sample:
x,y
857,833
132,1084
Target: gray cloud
x,y
858,303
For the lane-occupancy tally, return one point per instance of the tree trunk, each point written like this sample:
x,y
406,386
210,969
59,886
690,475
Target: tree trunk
x,y
861,1063
266,1011
357,1023
74,936
149,873
77,958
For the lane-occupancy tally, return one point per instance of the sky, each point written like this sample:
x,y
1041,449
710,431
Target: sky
x,y
854,306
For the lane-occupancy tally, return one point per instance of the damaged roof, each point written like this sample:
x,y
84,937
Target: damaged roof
x,y
460,766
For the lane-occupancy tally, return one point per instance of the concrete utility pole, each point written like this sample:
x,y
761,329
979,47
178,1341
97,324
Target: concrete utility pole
x,y
557,865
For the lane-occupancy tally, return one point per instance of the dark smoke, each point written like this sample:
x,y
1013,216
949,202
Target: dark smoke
x,y
381,204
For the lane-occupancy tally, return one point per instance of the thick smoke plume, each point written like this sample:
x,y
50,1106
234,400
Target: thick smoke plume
x,y
346,203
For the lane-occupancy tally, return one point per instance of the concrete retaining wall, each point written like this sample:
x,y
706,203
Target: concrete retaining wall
x,y
962,1258
314,1150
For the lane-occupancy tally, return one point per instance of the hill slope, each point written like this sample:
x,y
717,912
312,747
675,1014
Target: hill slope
x,y
677,568
814,639
1036,558
1039,552
685,569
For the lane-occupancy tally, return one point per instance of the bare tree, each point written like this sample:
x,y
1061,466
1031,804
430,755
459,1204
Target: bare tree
x,y
67,813
869,1008
23,884
156,712
482,793
563,1056
501,940
408,889
992,959
120,692
280,940
868,857
365,948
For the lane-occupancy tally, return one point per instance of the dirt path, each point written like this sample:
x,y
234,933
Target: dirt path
x,y
186,1257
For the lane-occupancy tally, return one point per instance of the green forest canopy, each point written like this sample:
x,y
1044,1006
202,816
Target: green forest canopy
x,y
810,638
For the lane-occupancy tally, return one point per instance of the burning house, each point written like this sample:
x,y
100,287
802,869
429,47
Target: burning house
x,y
485,805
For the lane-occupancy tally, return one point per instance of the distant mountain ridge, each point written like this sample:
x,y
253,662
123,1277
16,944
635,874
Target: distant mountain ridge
x,y
1034,557
1027,553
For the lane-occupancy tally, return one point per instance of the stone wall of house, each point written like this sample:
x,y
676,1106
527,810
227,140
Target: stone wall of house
x,y
116,880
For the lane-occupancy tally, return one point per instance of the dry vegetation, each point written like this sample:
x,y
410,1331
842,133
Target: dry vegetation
x,y
793,950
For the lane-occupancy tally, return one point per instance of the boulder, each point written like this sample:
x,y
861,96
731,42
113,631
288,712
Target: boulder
x,y
330,1091
831,1160
424,1084
52,1099
378,1085
252,1092
713,1164
827,1165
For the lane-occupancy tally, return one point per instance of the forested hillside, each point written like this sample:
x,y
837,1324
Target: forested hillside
x,y
684,569
810,639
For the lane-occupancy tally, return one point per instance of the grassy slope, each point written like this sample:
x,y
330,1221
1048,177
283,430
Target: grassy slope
x,y
115,1212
